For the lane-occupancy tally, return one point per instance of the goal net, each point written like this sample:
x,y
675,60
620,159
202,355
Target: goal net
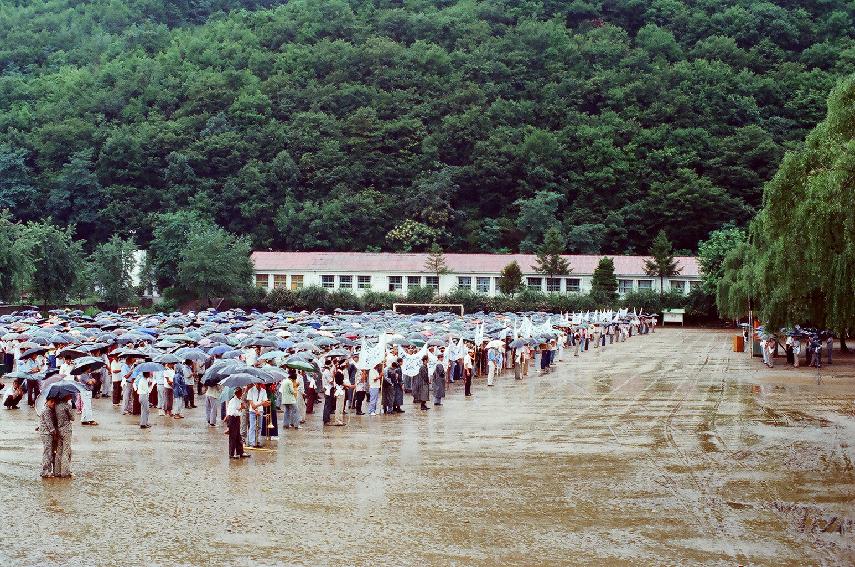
x,y
422,308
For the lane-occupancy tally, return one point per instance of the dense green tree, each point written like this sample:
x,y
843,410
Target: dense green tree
x,y
550,261
214,263
111,270
662,263
799,263
511,279
712,252
604,284
15,262
171,234
487,123
57,262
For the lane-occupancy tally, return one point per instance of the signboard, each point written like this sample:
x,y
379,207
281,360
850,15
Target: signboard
x,y
673,316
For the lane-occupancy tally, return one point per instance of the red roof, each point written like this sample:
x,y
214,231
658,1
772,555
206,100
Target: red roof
x,y
354,262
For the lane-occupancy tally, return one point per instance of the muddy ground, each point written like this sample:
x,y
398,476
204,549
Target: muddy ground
x,y
666,449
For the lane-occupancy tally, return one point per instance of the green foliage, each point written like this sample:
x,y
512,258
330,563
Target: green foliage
x,y
15,262
420,295
280,298
549,259
435,261
711,254
799,263
410,236
171,234
510,279
111,267
604,284
661,263
57,262
327,125
214,263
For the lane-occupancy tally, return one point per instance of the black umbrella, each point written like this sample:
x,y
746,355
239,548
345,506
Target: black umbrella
x,y
86,364
70,353
239,380
35,351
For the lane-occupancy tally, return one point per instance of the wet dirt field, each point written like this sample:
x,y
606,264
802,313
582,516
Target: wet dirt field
x,y
666,449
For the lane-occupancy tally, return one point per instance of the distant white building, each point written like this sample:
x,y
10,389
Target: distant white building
x,y
360,271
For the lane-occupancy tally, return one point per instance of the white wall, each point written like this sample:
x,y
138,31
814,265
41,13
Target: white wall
x,y
449,282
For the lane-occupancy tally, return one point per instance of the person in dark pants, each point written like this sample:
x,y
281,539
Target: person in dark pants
x,y
398,384
234,409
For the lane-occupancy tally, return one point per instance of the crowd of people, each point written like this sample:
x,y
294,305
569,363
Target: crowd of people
x,y
800,345
259,374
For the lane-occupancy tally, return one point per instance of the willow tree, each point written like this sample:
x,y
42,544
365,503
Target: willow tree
x,y
803,260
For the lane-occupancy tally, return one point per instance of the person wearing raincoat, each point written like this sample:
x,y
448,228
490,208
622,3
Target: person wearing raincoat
x,y
421,385
438,381
61,418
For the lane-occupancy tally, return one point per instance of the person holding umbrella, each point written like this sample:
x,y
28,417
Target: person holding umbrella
x,y
142,386
234,409
55,429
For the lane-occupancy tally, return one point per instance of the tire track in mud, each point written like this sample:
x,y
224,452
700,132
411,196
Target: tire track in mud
x,y
704,510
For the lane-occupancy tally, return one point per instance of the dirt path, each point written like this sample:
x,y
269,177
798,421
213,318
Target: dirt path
x,y
667,449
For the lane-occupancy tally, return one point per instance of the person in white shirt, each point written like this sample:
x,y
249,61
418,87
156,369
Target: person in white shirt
x,y
256,398
168,379
142,385
116,380
212,403
374,378
234,410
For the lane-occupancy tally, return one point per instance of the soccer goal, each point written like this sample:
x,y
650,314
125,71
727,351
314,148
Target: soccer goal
x,y
423,308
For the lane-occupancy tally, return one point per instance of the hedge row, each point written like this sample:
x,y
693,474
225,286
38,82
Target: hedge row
x,y
698,305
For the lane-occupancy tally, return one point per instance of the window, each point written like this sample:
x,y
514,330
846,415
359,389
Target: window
x,y
624,286
432,281
535,283
464,282
694,285
645,284
395,283
328,281
297,281
574,285
363,282
260,280
678,285
482,285
280,280
414,281
345,281
553,285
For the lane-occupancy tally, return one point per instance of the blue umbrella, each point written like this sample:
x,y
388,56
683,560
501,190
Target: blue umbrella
x,y
149,367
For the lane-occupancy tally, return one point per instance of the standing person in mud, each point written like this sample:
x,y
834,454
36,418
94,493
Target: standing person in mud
x,y
64,419
438,381
421,385
234,410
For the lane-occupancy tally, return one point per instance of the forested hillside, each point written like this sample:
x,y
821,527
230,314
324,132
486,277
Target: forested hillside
x,y
364,124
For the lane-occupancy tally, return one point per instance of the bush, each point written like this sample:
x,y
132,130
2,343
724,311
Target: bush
x,y
251,297
470,300
378,300
311,298
420,295
280,298
342,299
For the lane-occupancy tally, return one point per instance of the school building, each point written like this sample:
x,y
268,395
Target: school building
x,y
381,271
